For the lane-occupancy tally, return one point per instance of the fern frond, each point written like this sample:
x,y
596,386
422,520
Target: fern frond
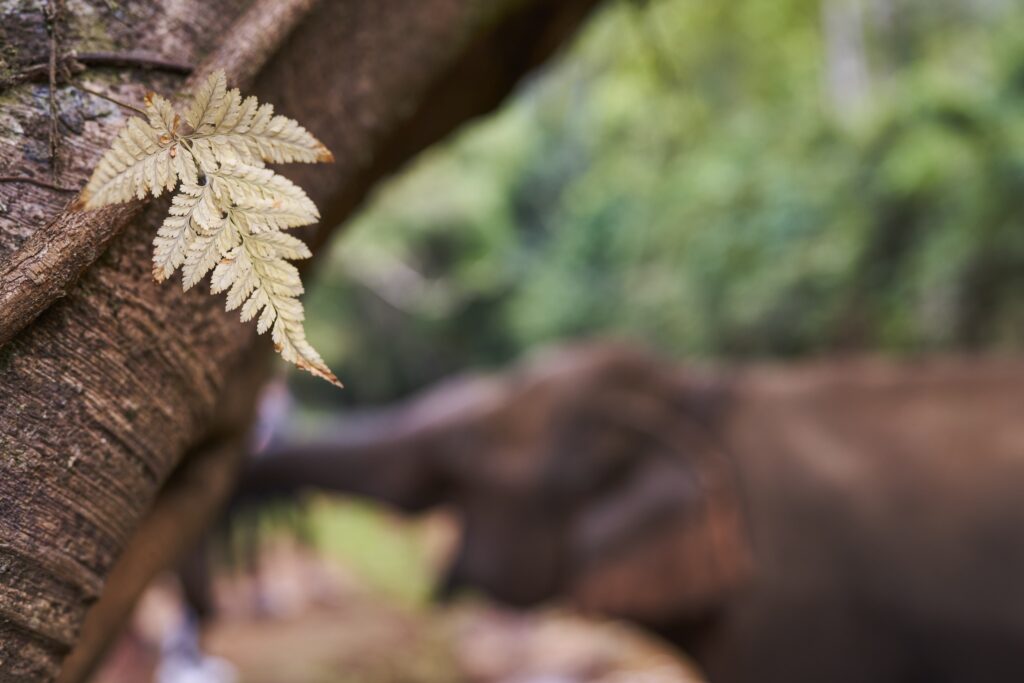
x,y
259,279
208,247
265,215
253,188
193,206
139,162
279,139
235,274
162,117
227,128
261,200
223,136
275,244
290,341
146,158
274,300
208,100
230,212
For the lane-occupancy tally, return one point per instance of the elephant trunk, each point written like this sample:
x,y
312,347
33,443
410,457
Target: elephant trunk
x,y
393,455
374,455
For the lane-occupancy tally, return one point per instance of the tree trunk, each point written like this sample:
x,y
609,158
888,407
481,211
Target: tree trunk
x,y
118,377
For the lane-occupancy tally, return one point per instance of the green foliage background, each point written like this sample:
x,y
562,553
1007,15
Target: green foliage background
x,y
685,175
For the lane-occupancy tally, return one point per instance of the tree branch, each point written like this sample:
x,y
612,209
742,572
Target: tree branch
x,y
169,531
100,398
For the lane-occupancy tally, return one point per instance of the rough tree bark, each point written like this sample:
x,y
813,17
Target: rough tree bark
x,y
117,377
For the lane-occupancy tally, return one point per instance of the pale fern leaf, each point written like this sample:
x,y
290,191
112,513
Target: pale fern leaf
x,y
211,153
232,118
266,215
278,244
266,319
228,128
206,250
244,280
193,205
170,246
230,212
290,341
208,212
146,158
252,187
276,276
141,161
274,285
226,273
162,117
254,304
223,136
185,165
208,102
279,139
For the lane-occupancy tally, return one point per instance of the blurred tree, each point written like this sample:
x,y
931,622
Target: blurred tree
x,y
694,174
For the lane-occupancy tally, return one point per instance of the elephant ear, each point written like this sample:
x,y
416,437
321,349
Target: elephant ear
x,y
683,570
668,542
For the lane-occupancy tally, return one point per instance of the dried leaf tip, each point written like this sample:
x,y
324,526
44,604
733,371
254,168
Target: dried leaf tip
x,y
318,372
324,156
231,223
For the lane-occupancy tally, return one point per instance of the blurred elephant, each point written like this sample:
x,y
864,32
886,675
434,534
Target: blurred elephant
x,y
840,522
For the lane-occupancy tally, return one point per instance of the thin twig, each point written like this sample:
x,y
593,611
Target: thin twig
x,y
35,72
132,60
75,63
108,98
33,181
54,13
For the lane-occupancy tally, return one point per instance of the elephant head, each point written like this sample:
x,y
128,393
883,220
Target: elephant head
x,y
589,473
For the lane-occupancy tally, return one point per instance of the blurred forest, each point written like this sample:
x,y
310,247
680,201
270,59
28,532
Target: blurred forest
x,y
727,179
719,180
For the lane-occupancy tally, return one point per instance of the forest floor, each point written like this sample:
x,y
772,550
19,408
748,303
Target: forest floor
x,y
316,620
